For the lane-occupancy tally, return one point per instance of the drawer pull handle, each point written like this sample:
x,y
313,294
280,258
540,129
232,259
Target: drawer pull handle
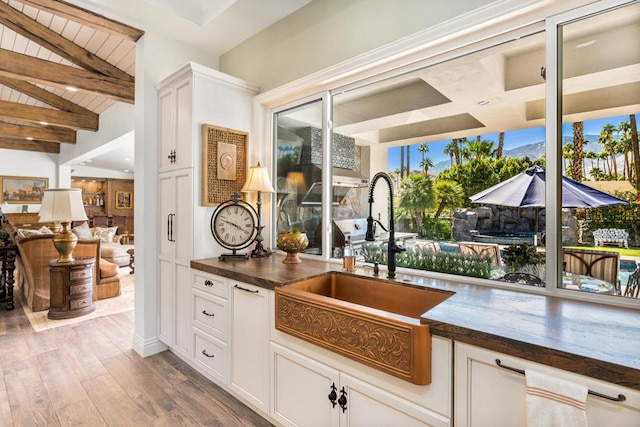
x,y
620,398
208,314
208,283
245,289
207,354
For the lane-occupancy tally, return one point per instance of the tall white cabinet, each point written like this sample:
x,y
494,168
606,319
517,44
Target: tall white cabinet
x,y
192,96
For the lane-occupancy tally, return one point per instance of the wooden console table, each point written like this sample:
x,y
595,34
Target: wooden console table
x,y
7,266
71,293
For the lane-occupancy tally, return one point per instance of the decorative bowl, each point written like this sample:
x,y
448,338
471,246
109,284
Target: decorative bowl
x,y
292,243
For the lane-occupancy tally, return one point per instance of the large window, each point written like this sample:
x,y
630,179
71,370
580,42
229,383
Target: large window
x,y
475,161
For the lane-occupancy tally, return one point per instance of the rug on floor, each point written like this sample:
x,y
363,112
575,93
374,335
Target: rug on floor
x,y
40,322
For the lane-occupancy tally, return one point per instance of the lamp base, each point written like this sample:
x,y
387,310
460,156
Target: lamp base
x,y
260,251
65,242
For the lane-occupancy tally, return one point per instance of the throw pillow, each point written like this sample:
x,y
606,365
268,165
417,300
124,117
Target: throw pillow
x,y
83,232
104,234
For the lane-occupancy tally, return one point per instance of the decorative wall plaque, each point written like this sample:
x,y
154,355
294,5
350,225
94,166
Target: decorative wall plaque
x,y
224,164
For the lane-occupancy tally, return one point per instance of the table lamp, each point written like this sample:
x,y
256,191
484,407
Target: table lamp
x,y
63,205
258,181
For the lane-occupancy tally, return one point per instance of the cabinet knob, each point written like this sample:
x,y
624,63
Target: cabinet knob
x,y
208,283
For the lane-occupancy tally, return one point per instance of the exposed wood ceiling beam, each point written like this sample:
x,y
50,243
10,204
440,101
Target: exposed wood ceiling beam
x,y
43,147
23,67
43,95
86,17
29,113
49,134
53,41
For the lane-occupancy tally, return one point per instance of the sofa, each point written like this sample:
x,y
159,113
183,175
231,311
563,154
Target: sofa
x,y
110,248
34,254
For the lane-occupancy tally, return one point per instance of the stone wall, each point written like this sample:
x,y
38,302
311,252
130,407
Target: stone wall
x,y
492,219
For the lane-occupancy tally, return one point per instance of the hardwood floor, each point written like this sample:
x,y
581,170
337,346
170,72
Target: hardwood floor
x,y
88,374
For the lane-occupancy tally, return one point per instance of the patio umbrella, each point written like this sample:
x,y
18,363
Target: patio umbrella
x,y
526,190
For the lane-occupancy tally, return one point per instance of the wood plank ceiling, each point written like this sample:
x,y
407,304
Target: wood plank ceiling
x,y
60,67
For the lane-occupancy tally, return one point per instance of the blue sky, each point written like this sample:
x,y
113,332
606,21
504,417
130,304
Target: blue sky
x,y
512,139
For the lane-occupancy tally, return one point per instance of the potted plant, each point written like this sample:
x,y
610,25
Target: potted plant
x,y
524,258
4,237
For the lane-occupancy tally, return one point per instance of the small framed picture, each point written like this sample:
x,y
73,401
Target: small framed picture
x,y
124,200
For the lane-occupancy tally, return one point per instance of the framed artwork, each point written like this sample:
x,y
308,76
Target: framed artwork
x,y
21,190
124,200
224,163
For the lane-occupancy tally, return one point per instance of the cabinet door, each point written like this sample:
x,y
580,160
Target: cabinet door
x,y
166,130
367,405
486,394
175,131
301,389
249,376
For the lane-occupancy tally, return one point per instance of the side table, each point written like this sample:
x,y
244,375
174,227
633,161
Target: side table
x,y
8,254
71,293
132,264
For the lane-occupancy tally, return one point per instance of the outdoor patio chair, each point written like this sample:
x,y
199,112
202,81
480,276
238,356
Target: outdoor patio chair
x,y
428,245
522,278
599,264
633,285
490,249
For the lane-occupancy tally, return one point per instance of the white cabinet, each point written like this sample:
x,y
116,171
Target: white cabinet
x,y
175,103
250,326
192,96
210,326
175,243
307,392
488,395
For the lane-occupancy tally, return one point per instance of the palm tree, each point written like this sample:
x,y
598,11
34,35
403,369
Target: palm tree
x,y
567,154
606,138
447,194
449,151
426,163
456,150
416,195
636,148
402,162
625,145
500,146
591,155
423,148
578,154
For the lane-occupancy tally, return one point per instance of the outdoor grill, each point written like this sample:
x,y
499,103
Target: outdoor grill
x,y
357,228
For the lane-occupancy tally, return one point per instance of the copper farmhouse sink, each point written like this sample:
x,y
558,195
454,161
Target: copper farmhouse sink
x,y
373,321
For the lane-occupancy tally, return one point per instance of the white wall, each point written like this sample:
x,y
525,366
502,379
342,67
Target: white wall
x,y
28,163
326,32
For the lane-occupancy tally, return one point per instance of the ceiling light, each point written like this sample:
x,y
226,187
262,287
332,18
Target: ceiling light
x,y
127,170
29,138
126,159
71,89
81,163
44,123
89,161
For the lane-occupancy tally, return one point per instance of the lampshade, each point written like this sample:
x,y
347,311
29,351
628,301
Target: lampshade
x,y
62,204
258,180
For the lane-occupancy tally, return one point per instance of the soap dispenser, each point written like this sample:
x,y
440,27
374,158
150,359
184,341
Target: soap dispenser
x,y
348,256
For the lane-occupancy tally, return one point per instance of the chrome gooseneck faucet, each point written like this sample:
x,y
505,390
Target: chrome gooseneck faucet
x,y
392,247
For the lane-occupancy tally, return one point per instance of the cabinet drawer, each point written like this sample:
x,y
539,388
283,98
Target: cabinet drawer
x,y
84,273
78,303
212,284
81,288
210,354
210,314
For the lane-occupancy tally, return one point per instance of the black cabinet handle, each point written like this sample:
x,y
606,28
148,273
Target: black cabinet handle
x,y
245,289
343,400
169,227
208,283
333,396
208,314
207,354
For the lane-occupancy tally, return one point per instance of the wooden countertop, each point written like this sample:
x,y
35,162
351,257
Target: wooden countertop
x,y
594,340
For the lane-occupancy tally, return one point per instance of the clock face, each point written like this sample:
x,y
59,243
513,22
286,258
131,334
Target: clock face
x,y
233,226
